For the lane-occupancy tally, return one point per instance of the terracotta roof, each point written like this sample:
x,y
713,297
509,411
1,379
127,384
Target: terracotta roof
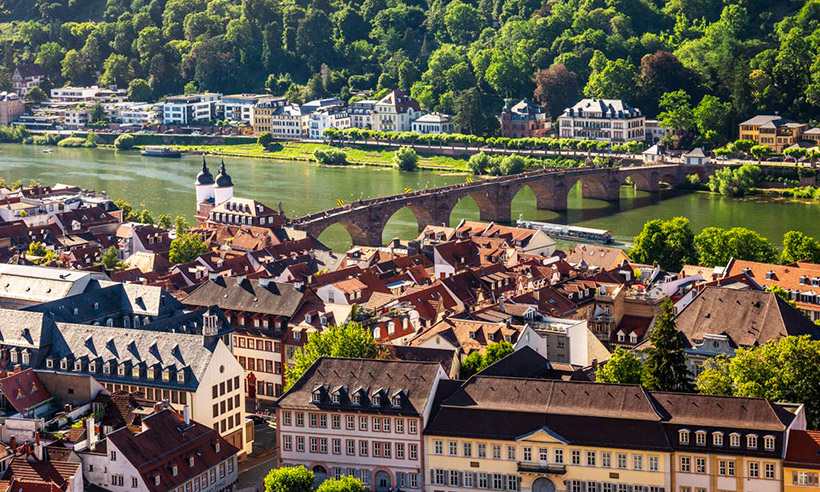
x,y
24,390
801,276
41,473
803,450
468,334
596,256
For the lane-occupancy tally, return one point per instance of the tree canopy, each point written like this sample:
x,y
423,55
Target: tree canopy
x,y
665,365
289,479
669,242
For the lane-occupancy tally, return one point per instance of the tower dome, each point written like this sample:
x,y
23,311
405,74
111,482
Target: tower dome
x,y
223,179
223,191
204,184
204,177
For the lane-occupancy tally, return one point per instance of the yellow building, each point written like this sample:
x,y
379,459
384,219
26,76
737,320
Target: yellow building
x,y
801,469
774,131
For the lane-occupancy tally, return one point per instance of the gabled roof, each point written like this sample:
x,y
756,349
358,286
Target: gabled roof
x,y
51,474
250,295
29,70
803,450
400,101
24,390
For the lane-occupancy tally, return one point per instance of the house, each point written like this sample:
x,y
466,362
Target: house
x,y
361,418
395,112
30,470
26,77
11,107
801,281
466,335
325,117
70,94
244,211
563,341
588,256
188,109
238,107
25,392
606,120
653,154
169,453
361,113
773,131
695,157
655,131
49,284
527,241
801,466
524,119
433,123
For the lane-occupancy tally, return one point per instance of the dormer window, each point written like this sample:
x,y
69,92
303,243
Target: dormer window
x,y
770,275
166,374
357,399
734,440
121,370
191,461
216,446
174,470
151,373
181,376
78,365
751,441
683,436
63,363
633,338
768,443
717,439
396,400
135,372
376,401
317,396
336,398
156,479
700,438
49,363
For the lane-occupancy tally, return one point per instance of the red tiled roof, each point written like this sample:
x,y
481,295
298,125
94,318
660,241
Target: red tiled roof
x,y
24,390
803,450
37,475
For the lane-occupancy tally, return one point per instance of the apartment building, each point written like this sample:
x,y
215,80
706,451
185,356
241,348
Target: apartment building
x,y
87,94
773,131
361,418
325,117
26,77
607,120
238,107
263,111
189,108
361,114
395,112
525,119
11,107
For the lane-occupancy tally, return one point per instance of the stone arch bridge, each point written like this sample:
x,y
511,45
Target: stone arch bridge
x,y
365,220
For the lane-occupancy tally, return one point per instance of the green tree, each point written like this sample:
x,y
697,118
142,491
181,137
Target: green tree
x,y
678,115
665,365
716,246
181,225
760,151
787,369
289,479
116,71
124,142
512,164
406,159
611,80
50,58
139,91
622,367
36,95
479,163
351,340
734,182
476,361
798,246
36,248
265,139
73,67
164,221
110,259
344,484
187,248
782,294
712,115
669,242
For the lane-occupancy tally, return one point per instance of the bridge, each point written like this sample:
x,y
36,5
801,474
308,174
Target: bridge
x,y
365,220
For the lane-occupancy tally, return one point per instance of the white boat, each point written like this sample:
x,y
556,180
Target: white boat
x,y
567,232
48,151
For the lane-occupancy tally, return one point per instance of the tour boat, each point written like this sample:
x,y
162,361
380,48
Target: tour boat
x,y
160,152
567,232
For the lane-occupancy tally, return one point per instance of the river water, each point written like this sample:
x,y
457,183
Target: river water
x,y
167,186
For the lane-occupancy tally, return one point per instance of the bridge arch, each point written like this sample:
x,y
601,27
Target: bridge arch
x,y
423,217
358,234
670,179
547,197
643,182
597,188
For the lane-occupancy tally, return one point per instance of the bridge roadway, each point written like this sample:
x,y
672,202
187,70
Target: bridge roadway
x,y
365,220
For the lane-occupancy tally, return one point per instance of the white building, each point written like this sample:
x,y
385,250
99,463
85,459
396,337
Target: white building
x,y
76,117
433,123
26,77
87,94
238,107
327,117
361,418
562,340
361,114
607,120
655,132
189,108
395,112
135,113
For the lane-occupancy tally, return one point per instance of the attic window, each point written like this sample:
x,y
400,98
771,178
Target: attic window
x,y
357,399
683,436
216,447
317,396
396,401
174,470
50,363
181,376
336,398
377,400
770,275
135,372
76,311
191,461
768,443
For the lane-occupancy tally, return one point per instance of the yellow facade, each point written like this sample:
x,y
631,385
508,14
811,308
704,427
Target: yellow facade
x,y
800,479
540,462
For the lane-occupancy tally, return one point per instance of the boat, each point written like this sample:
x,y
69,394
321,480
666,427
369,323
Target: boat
x,y
567,232
160,152
48,151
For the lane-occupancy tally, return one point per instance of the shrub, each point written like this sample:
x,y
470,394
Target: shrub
x,y
70,142
330,157
124,141
406,159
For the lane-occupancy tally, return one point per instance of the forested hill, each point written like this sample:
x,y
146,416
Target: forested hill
x,y
457,56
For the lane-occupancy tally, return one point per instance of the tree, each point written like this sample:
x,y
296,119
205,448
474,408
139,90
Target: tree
x,y
613,80
556,88
110,259
786,369
622,367
124,142
181,225
164,221
662,72
734,182
117,71
73,67
187,248
476,362
351,340
36,95
669,242
760,151
479,163
406,159
97,112
139,91
716,246
289,479
344,484
678,115
265,139
512,164
798,246
36,248
712,115
50,58
665,365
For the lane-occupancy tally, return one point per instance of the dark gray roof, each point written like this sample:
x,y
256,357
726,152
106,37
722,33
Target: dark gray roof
x,y
204,177
243,294
25,330
523,363
445,357
223,180
415,380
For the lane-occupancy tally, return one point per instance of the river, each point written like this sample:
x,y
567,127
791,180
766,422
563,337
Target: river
x,y
167,186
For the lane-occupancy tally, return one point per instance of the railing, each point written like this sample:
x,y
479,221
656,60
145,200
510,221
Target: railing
x,y
545,468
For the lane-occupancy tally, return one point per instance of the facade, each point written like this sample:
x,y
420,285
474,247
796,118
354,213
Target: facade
x,y
87,94
327,117
524,119
562,340
800,280
606,120
188,109
135,113
26,77
238,107
361,114
362,418
433,123
11,107
655,132
285,122
801,468
773,131
395,112
263,111
76,117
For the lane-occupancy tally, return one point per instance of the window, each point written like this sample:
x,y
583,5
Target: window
x,y
300,419
483,480
511,454
683,436
438,447
700,438
496,451
350,422
386,424
726,468
622,461
527,453
300,444
768,443
559,456
287,442
754,469
413,451
700,465
453,448
575,457
337,446
377,424
653,463
134,482
751,441
734,440
363,423
769,470
438,477
482,450
469,479
113,456
400,450
685,464
351,447
637,462
468,449
590,458
400,426
606,459
336,421
363,448
717,439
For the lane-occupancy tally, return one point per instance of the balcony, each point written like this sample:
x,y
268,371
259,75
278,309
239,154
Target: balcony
x,y
542,468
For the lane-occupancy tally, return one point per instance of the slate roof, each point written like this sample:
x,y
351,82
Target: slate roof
x,y
29,70
721,411
40,284
23,329
166,441
610,108
400,101
444,357
414,379
242,294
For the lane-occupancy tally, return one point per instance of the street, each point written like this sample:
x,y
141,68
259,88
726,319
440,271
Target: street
x,y
254,468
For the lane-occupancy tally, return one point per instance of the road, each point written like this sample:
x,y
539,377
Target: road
x,y
254,468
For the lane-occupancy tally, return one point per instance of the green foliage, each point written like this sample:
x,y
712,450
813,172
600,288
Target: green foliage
x,y
787,369
181,225
330,157
36,248
716,246
344,484
480,163
669,242
782,294
265,139
665,365
798,246
476,361
124,142
406,159
289,479
110,259
350,340
164,221
36,95
622,367
187,248
734,182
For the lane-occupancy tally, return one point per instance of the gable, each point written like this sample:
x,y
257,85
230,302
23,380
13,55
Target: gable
x,y
544,435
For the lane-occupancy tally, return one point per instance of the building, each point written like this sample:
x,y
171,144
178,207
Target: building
x,y
169,453
11,107
433,123
327,117
31,470
655,132
654,154
30,285
262,113
562,340
527,241
695,157
773,131
361,114
591,256
395,112
524,119
212,192
284,122
606,120
93,93
76,118
238,107
800,280
801,467
244,211
188,109
361,418
135,114
26,77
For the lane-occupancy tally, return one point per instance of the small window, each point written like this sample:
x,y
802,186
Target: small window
x,y
734,440
337,398
377,400
700,438
717,439
357,399
683,436
768,443
751,441
317,396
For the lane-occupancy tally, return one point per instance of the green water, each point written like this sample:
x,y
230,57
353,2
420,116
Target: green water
x,y
167,186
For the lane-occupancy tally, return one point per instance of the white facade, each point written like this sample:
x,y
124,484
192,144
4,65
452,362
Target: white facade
x,y
395,112
76,118
563,340
361,114
323,118
136,114
607,120
238,107
87,94
184,110
433,123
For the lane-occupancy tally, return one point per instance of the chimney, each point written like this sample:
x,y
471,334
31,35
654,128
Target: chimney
x,y
186,414
595,364
92,432
28,449
13,443
38,447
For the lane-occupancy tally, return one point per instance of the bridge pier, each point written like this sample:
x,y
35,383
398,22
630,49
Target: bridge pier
x,y
650,187
555,201
610,192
